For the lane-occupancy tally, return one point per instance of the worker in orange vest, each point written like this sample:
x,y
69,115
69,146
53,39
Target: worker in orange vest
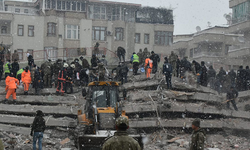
x,y
148,66
10,88
26,79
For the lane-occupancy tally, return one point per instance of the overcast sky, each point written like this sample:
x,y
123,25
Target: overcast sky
x,y
188,14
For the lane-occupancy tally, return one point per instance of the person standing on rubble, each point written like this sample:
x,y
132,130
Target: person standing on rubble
x,y
232,94
178,63
123,73
15,67
62,75
104,61
148,66
203,75
7,68
198,136
26,79
211,74
118,75
121,53
173,60
47,69
94,61
11,87
1,69
121,140
156,59
135,61
37,129
57,67
167,71
140,54
85,63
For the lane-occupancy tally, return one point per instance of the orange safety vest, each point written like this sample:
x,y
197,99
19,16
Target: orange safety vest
x,y
148,63
11,82
26,78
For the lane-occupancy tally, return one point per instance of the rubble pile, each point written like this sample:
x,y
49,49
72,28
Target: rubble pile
x,y
165,116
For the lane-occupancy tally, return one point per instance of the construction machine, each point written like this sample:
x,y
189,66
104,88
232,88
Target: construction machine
x,y
96,122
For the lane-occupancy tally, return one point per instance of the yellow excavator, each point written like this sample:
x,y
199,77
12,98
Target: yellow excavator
x,y
96,122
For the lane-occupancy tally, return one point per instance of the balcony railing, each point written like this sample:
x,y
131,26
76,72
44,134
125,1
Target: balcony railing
x,y
208,54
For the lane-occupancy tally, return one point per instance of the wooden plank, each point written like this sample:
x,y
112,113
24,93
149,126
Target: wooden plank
x,y
24,120
31,109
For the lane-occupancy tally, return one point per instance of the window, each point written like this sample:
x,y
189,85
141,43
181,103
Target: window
x,y
63,5
74,6
146,38
68,4
116,13
78,6
119,34
3,30
99,33
17,10
47,3
26,11
137,38
30,31
83,6
163,38
99,12
30,51
53,4
51,29
50,53
59,5
20,30
20,54
72,32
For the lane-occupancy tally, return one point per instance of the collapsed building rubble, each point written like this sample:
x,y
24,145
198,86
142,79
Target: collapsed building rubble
x,y
164,115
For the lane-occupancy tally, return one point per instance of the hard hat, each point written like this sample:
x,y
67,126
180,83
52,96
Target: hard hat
x,y
122,121
65,65
73,66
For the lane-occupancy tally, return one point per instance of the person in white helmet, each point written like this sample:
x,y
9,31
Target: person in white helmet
x,y
62,75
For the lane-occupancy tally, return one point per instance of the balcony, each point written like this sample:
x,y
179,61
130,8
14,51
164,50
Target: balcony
x,y
6,39
239,51
233,3
207,54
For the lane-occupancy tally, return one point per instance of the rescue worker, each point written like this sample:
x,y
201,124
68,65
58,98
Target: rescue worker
x,y
32,74
11,87
135,61
101,72
37,83
61,85
26,79
37,129
30,61
198,136
104,61
15,56
148,66
247,84
118,75
1,69
241,78
85,63
96,49
232,94
145,53
167,71
15,67
57,67
173,60
84,78
121,140
94,61
7,68
178,63
185,66
47,68
121,53
156,59
221,74
140,55
203,76
232,74
19,74
211,74
123,73
196,69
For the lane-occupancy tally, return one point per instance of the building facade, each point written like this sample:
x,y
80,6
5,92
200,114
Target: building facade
x,y
52,29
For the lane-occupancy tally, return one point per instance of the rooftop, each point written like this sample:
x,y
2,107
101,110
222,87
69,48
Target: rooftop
x,y
115,3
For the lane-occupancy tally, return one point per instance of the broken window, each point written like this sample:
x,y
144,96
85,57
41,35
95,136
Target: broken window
x,y
51,29
146,38
99,33
119,34
72,32
163,38
137,38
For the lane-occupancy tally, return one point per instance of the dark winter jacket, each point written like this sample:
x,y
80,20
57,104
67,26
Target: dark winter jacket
x,y
232,75
247,74
85,63
197,140
185,64
241,75
30,60
62,74
211,73
120,51
232,94
203,77
123,71
221,74
155,58
197,67
14,67
94,62
167,68
38,124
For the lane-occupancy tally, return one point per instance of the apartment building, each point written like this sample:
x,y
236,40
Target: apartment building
x,y
64,28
